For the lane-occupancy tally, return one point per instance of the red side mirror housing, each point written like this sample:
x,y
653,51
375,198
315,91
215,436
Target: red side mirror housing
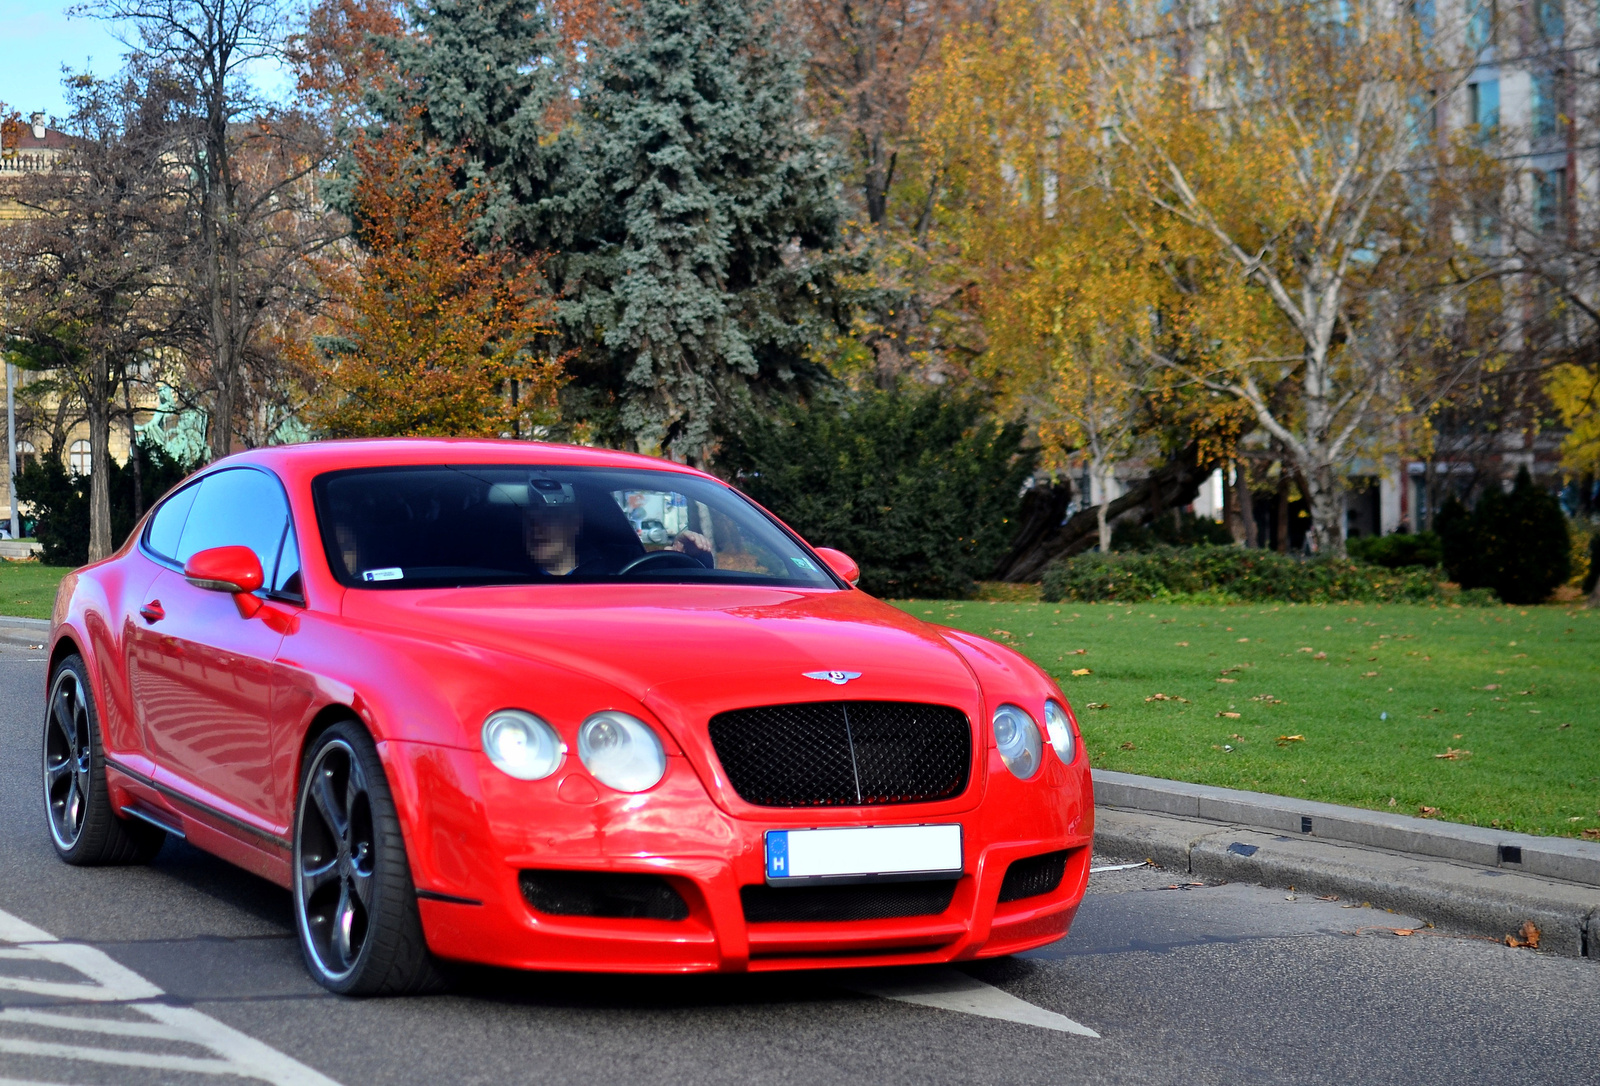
x,y
841,563
225,569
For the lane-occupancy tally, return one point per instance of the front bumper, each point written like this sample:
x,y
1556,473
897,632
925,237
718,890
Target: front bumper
x,y
471,830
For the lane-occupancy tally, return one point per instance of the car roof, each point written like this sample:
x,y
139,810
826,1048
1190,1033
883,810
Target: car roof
x,y
315,457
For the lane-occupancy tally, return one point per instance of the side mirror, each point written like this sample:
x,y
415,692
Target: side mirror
x,y
225,569
841,563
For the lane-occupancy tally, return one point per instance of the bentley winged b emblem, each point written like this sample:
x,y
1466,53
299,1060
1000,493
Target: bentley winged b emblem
x,y
837,678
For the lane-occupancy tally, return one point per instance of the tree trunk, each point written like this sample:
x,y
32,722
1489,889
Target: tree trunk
x,y
1104,526
1176,482
133,453
1281,543
100,545
1326,499
1233,502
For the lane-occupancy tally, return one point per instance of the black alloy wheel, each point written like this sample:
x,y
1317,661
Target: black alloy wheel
x,y
83,828
355,905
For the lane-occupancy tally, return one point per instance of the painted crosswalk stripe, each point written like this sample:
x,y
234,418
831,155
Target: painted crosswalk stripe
x,y
108,984
952,990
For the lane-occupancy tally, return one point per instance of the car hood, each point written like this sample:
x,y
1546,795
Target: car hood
x,y
703,648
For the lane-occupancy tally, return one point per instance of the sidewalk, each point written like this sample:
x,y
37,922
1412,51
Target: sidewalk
x,y
1486,882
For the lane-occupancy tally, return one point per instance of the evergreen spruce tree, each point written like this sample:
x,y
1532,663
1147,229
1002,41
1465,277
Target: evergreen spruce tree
x,y
485,78
697,242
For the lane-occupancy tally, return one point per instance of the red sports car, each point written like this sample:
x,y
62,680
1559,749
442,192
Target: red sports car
x,y
553,708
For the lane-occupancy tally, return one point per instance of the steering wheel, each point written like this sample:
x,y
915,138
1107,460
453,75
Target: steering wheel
x,y
663,560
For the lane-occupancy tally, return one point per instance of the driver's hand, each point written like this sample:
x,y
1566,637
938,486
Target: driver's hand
x,y
689,542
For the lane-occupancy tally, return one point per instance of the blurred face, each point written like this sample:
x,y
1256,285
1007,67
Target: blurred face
x,y
551,534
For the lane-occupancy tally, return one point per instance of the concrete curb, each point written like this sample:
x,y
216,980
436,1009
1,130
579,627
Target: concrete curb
x,y
1550,857
25,623
1481,901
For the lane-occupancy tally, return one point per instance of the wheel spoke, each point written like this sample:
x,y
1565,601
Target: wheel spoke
x,y
62,716
72,809
361,883
343,928
53,772
328,805
313,879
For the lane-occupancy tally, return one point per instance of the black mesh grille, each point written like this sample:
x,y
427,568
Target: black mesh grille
x,y
599,893
1034,876
844,753
873,901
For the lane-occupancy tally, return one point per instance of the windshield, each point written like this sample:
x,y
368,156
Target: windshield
x,y
440,526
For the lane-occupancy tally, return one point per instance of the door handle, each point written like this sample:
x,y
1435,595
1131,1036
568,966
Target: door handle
x,y
152,612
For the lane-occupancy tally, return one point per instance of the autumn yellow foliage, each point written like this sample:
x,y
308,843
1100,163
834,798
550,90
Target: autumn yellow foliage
x,y
432,335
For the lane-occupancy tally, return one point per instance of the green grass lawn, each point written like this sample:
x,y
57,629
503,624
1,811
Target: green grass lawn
x,y
29,589
1508,695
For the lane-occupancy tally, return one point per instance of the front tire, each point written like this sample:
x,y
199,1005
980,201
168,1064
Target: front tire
x,y
84,829
355,907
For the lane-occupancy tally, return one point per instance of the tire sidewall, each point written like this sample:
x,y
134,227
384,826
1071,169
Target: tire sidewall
x,y
96,798
385,882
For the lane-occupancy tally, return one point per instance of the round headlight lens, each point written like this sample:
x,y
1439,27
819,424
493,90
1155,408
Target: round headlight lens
x,y
1059,725
1017,736
621,751
522,745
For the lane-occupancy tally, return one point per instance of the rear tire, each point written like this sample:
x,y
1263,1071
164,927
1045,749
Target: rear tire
x,y
84,829
355,906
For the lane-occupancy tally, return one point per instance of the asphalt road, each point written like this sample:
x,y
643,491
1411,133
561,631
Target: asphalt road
x,y
187,972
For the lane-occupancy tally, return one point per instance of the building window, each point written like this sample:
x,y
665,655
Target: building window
x,y
1552,21
25,455
78,461
1549,200
1484,101
1546,117
1423,12
1480,24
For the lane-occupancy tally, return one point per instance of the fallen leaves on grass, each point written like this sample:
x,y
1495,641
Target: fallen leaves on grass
x,y
1425,811
1591,834
1226,680
1128,746
1082,671
1242,640
1307,648
1492,686
1183,644
1078,652
1285,740
1320,656
1268,698
1229,716
1528,936
1167,697
1369,674
1098,705
1451,754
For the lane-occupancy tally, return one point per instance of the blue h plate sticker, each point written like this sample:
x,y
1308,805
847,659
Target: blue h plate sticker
x,y
777,854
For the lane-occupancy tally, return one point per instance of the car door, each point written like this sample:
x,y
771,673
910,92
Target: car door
x,y
202,672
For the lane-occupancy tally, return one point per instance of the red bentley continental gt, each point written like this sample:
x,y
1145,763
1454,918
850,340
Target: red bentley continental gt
x,y
553,708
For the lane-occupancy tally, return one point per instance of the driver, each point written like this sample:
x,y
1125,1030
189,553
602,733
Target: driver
x,y
550,525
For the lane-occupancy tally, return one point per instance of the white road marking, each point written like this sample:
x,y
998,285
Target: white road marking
x,y
952,990
106,982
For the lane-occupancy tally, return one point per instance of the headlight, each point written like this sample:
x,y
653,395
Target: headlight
x,y
1017,736
522,745
621,751
1059,725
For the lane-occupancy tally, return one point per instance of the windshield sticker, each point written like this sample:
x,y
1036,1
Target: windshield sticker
x,y
803,563
388,573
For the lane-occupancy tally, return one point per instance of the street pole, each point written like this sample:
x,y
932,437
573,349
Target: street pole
x,y
11,447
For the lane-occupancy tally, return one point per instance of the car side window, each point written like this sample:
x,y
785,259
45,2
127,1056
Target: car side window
x,y
240,507
286,582
166,524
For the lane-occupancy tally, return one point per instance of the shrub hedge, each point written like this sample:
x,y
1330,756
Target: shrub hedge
x,y
1397,551
1234,573
1516,543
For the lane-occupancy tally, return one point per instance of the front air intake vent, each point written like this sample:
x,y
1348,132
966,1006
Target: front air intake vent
x,y
874,901
844,753
603,894
1034,876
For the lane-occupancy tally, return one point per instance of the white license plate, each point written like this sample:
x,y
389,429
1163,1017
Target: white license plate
x,y
862,853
